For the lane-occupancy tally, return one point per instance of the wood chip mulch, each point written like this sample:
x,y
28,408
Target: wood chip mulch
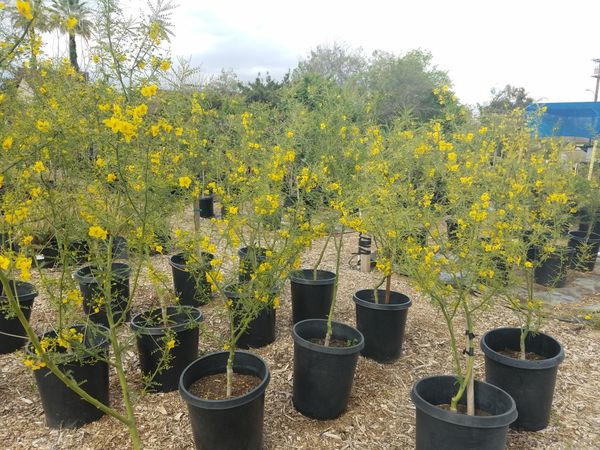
x,y
380,414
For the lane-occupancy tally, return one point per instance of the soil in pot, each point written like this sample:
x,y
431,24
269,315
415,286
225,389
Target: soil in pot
x,y
383,325
191,286
585,250
214,387
323,376
90,284
164,351
63,408
437,428
261,330
311,297
530,382
233,423
12,333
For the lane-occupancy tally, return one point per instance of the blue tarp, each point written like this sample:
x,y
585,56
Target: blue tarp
x,y
580,119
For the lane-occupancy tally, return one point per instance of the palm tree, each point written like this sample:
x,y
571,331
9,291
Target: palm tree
x,y
71,17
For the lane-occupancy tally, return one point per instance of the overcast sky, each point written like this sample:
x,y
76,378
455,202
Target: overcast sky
x,y
545,46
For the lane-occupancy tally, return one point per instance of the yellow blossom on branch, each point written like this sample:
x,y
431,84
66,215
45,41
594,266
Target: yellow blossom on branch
x,y
185,182
24,9
7,143
149,91
98,232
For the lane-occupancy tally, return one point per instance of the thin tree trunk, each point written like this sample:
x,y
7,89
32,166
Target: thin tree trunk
x,y
73,51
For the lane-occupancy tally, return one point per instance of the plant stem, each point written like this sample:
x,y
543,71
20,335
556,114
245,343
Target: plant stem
x,y
388,288
338,247
321,256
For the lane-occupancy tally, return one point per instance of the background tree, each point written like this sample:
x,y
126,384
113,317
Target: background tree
x,y
337,63
402,86
264,90
506,100
73,18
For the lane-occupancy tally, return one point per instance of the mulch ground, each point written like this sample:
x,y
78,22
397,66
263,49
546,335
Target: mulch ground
x,y
380,414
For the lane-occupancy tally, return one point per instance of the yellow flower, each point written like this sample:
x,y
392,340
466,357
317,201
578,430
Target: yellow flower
x,y
4,262
1,180
528,264
71,23
165,65
2,5
98,232
24,9
170,344
23,264
588,317
39,167
33,364
7,143
323,125
111,177
149,91
185,182
43,126
100,162
27,240
158,248
290,134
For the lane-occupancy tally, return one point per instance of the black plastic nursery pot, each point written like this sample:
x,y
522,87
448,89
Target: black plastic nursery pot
x,y
439,428
230,424
381,324
585,250
311,297
261,330
323,376
63,408
191,288
93,293
206,208
157,361
250,259
530,382
12,333
553,270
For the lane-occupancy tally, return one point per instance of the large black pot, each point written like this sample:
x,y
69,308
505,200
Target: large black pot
x,y
311,298
381,324
91,286
234,423
161,366
63,408
12,333
530,382
585,249
250,259
552,271
191,286
438,428
323,376
261,329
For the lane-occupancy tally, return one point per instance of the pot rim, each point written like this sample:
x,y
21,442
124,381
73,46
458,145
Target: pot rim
x,y
370,304
356,348
29,295
528,364
137,327
294,278
183,267
493,421
120,270
227,403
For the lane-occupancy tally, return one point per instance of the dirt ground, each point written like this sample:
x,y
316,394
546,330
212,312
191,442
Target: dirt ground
x,y
380,414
